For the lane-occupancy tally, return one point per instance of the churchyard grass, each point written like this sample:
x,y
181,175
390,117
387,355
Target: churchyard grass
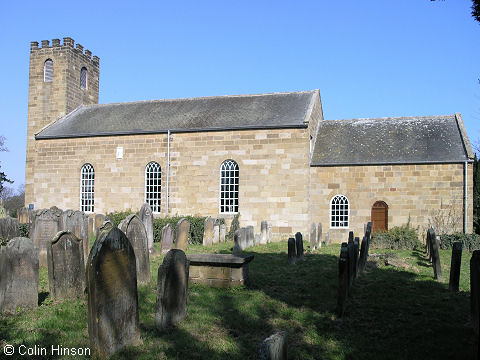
x,y
394,311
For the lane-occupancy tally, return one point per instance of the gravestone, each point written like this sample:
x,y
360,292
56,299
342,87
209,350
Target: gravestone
x,y
9,228
313,237
46,223
327,238
368,232
273,348
257,238
77,223
216,231
18,275
343,284
208,231
363,256
264,232
112,294
240,240
172,288
182,232
350,237
351,263
475,298
437,269
429,245
99,219
269,234
356,248
455,264
223,232
91,225
299,245
250,236
292,255
134,229
319,236
66,266
167,238
23,215
146,216
106,225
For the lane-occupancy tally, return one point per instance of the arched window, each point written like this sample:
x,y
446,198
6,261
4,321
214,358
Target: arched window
x,y
339,212
153,185
48,70
87,188
229,187
83,78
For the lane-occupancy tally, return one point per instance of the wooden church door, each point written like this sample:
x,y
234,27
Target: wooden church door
x,y
379,216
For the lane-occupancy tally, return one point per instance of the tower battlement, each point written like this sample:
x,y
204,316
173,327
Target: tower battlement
x,y
68,42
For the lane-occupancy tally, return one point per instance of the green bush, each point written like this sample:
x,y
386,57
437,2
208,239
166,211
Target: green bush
x,y
470,241
399,237
118,216
3,242
234,226
196,227
24,230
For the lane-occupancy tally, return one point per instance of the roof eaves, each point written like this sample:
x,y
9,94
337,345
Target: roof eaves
x,y
459,161
59,119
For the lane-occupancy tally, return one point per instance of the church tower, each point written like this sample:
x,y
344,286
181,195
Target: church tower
x,y
62,77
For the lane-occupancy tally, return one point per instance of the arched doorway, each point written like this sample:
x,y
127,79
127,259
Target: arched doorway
x,y
379,216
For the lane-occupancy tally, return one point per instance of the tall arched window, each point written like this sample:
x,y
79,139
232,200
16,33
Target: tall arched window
x,y
153,185
229,187
83,78
87,188
48,70
339,212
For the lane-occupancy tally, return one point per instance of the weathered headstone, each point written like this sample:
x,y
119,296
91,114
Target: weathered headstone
x,y
257,238
133,227
146,215
77,223
319,236
18,275
250,236
172,288
240,240
429,244
475,298
216,231
313,237
9,228
350,237
292,254
223,232
273,348
363,256
351,263
112,294
167,238
208,231
437,269
66,266
299,245
182,232
327,238
264,232
46,223
99,219
269,234
343,282
455,266
356,248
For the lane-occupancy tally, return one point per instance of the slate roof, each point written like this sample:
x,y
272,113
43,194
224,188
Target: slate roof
x,y
279,110
402,140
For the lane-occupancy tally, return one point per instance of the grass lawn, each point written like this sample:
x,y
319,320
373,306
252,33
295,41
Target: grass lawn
x,y
394,312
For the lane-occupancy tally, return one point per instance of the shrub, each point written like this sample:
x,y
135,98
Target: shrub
x,y
399,237
24,230
234,226
118,216
470,241
196,227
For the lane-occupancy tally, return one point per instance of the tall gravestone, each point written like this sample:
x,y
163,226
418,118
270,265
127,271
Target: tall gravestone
x,y
112,294
216,231
269,234
240,240
327,239
208,231
146,216
264,232
356,249
292,254
223,232
99,219
363,256
455,265
299,245
250,236
319,236
172,288
351,264
343,283
182,232
273,348
9,228
435,245
46,223
313,237
66,266
18,275
134,229
167,238
77,223
475,298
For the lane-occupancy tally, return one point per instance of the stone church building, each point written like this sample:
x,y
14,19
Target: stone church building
x,y
267,156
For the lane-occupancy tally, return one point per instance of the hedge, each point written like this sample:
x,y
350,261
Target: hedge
x,y
399,237
196,227
470,241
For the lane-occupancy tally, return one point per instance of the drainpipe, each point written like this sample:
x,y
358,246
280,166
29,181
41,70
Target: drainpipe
x,y
465,202
168,166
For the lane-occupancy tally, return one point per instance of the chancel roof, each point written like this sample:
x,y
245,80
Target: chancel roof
x,y
401,140
278,110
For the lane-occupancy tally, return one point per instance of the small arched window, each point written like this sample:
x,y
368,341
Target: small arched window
x,y
87,188
229,180
83,78
153,185
48,70
339,212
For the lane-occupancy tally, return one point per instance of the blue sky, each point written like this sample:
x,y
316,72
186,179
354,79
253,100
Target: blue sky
x,y
369,58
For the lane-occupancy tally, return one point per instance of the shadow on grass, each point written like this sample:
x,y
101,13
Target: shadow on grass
x,y
421,257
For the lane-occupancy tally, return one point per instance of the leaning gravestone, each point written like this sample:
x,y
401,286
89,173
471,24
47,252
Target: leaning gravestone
x,y
437,269
362,261
208,231
351,263
146,215
182,232
250,236
172,288
112,294
240,240
216,231
356,249
133,227
455,266
313,237
319,236
292,256
343,284
223,232
46,223
77,223
264,233
66,266
273,348
18,275
299,245
167,238
9,228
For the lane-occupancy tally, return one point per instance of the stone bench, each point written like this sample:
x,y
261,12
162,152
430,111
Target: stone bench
x,y
220,270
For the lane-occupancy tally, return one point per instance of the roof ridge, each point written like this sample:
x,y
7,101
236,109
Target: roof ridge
x,y
395,118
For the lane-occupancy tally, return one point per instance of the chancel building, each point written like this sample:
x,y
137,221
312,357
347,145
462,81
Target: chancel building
x,y
266,156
